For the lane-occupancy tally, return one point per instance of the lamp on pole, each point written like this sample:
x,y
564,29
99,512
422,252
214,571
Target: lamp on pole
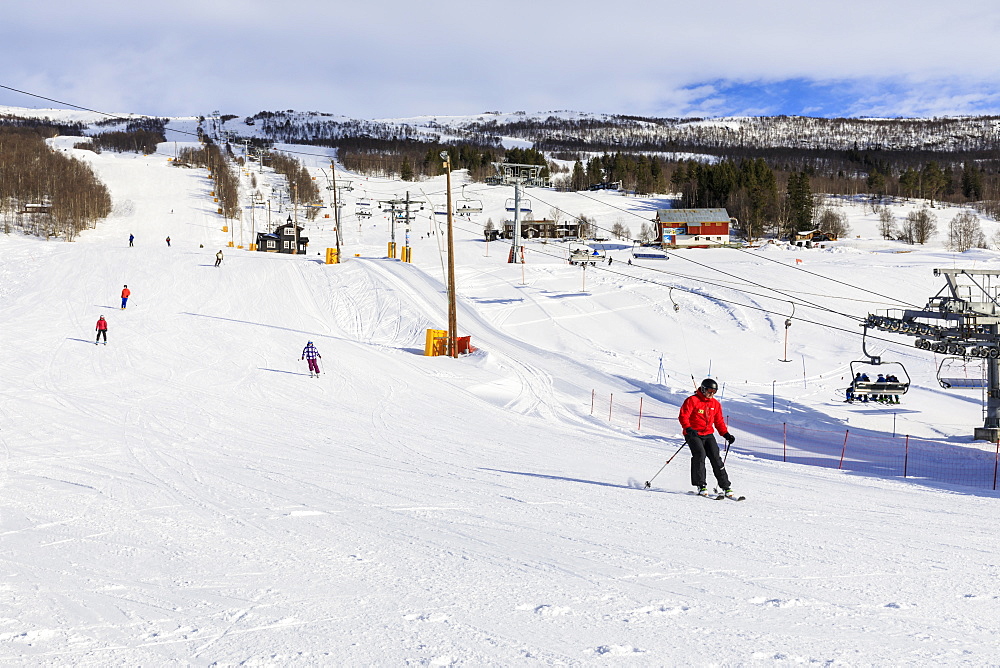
x,y
452,316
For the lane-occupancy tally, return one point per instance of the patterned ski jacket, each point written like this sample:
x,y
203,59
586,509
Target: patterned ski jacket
x,y
310,352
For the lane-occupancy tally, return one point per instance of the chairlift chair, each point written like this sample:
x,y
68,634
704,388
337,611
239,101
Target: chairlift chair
x,y
467,206
872,367
962,373
525,205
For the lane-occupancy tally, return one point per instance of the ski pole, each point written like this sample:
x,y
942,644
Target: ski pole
x,y
665,465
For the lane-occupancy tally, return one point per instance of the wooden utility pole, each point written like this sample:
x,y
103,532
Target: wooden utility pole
x,y
336,206
452,311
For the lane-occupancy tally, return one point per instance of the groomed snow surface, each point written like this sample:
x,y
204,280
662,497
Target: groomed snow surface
x,y
188,495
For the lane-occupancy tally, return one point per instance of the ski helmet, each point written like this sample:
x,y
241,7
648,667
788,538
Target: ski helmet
x,y
709,384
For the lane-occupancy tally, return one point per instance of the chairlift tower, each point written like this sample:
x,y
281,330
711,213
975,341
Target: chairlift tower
x,y
966,315
399,206
519,176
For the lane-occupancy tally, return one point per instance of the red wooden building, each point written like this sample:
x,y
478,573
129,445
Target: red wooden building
x,y
693,227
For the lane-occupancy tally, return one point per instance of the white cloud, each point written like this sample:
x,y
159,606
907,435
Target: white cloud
x,y
386,59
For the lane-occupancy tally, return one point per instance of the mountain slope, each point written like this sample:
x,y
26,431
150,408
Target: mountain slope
x,y
187,494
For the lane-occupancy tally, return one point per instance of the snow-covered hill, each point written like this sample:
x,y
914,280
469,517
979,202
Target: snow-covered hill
x,y
187,494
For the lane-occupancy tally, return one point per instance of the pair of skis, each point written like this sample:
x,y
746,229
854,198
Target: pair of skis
x,y
716,495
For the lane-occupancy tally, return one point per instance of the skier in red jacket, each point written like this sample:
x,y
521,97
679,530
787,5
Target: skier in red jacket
x,y
700,416
102,330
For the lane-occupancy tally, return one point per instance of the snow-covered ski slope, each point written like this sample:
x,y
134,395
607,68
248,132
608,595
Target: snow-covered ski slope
x,y
187,495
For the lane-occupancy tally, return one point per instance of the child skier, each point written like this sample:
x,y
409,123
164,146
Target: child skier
x,y
102,330
310,353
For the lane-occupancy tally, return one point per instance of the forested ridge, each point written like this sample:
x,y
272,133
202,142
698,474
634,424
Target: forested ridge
x,y
42,191
764,170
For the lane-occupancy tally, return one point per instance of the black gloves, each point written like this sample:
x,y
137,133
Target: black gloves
x,y
688,431
729,438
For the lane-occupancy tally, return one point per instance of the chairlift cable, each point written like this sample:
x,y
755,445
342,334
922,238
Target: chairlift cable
x,y
850,285
752,307
780,292
892,299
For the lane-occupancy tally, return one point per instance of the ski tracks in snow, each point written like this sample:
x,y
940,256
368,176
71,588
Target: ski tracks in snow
x,y
535,394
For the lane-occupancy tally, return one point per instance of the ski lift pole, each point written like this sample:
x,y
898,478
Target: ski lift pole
x,y
336,207
788,324
452,308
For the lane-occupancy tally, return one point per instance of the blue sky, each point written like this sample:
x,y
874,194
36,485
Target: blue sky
x,y
861,96
397,59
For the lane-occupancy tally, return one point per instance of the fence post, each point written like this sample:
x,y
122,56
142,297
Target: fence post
x,y
844,450
639,428
906,455
611,404
995,462
784,441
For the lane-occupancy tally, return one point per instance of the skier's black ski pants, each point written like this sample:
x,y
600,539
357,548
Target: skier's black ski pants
x,y
701,447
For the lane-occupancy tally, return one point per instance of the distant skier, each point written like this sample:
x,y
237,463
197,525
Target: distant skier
x,y
218,258
102,330
125,294
700,414
131,238
168,238
311,354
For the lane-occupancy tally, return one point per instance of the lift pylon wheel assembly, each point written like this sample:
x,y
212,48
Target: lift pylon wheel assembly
x,y
966,324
